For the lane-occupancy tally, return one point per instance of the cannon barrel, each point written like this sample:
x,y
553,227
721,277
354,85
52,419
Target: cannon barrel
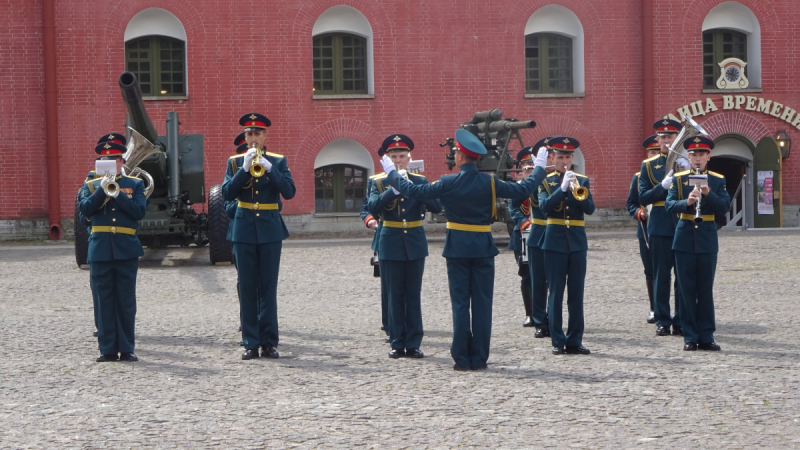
x,y
502,125
481,116
132,94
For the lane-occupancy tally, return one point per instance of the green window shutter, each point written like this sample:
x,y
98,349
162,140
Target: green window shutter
x,y
719,45
339,64
159,64
548,64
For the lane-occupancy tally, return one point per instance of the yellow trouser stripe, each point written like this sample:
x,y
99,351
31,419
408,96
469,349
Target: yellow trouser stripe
x,y
567,222
403,224
465,227
538,222
260,206
658,204
122,230
706,217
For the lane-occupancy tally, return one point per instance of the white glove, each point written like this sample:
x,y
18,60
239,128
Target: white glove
x,y
264,163
396,192
684,164
667,180
248,159
568,178
541,158
387,164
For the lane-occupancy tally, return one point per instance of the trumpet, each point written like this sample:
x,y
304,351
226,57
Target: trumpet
x,y
697,181
580,193
111,188
256,169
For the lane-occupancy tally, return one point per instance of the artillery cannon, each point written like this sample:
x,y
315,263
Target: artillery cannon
x,y
175,163
496,134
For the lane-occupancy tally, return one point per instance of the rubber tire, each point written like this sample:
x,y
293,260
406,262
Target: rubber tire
x,y
219,247
81,236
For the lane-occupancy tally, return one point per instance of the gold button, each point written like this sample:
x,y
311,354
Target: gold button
x,y
403,209
567,207
113,209
114,220
566,222
113,229
257,214
402,199
256,192
255,205
405,231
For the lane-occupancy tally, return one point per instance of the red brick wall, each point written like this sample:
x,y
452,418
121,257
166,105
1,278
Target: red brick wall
x,y
436,63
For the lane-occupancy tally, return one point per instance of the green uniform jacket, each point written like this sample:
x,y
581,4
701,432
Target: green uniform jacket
x,y
660,222
263,226
689,236
468,198
125,211
401,244
559,205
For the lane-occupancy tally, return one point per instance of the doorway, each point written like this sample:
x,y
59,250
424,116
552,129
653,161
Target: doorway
x,y
732,157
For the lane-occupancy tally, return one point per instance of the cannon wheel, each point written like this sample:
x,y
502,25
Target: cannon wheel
x,y
81,236
219,248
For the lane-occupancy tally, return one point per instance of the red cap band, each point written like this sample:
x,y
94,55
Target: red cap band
x,y
255,124
466,152
397,145
699,145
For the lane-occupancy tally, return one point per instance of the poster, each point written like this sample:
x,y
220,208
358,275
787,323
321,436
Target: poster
x,y
764,181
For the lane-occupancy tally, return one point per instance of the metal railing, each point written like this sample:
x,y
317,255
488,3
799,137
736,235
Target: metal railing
x,y
736,212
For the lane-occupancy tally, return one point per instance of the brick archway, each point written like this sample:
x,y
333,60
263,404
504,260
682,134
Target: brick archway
x,y
736,123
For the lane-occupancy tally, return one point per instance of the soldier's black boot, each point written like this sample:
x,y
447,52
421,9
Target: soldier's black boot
x,y
651,318
527,299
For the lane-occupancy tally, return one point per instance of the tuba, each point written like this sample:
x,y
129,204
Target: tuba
x,y
139,148
676,151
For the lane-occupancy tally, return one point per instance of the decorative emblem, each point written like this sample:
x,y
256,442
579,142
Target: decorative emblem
x,y
110,136
566,140
731,74
697,139
553,184
397,138
253,116
106,146
658,166
665,122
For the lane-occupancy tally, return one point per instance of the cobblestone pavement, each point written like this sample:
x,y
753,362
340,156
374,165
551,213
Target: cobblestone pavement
x,y
334,385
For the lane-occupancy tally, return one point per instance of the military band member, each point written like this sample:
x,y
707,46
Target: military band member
x,y
564,245
520,214
374,223
469,200
117,139
230,210
696,245
114,251
402,248
258,234
640,213
654,181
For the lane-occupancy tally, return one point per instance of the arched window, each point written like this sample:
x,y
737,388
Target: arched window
x,y
340,64
554,52
548,63
731,30
339,188
342,53
155,51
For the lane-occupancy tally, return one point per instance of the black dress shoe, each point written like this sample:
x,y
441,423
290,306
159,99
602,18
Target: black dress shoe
x,y
460,369
578,350
387,339
397,354
415,353
559,351
383,328
250,354
528,322
710,347
128,357
268,351
651,318
241,343
662,331
677,331
240,328
95,333
483,367
541,333
107,358
689,347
